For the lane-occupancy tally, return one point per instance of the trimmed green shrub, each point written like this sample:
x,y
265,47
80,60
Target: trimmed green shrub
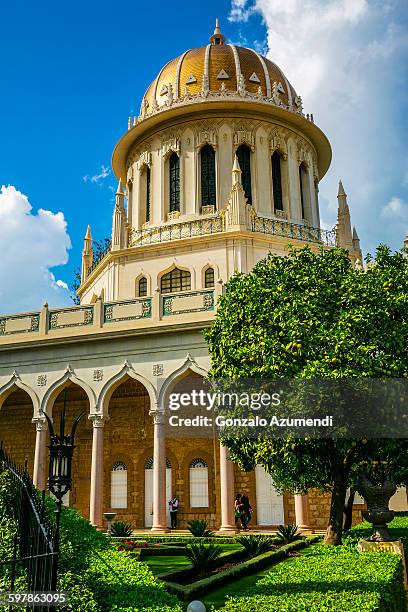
x,y
288,533
191,591
203,556
331,579
199,529
121,529
256,544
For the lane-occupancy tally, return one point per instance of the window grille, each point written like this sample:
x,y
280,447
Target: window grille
x,y
277,181
209,278
143,287
174,171
208,184
176,280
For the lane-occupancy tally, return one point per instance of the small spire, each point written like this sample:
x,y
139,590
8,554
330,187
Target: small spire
x,y
217,38
88,235
341,191
236,171
119,189
355,235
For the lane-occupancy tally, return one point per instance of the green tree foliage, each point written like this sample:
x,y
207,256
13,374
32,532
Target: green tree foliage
x,y
311,315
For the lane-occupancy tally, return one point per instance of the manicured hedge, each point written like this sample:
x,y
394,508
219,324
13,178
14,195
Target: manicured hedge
x,y
328,578
246,568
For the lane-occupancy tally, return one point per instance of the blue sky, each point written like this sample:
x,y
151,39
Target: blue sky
x,y
71,73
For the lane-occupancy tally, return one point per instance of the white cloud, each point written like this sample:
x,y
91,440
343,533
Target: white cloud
x,y
97,178
30,244
347,59
396,209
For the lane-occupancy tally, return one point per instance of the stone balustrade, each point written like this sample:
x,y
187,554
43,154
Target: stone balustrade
x,y
77,320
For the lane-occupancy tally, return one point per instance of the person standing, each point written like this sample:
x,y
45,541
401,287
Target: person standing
x,y
246,511
238,510
173,507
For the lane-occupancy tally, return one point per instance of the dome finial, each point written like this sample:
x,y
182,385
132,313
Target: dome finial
x,y
217,38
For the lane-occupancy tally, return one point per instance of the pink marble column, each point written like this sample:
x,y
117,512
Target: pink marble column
x,y
40,455
159,476
97,472
302,511
227,491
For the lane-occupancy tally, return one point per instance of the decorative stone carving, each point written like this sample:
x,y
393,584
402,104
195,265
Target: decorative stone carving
x,y
299,104
41,380
244,137
278,142
191,79
303,152
170,95
206,137
172,145
254,78
145,159
158,369
223,75
241,85
98,375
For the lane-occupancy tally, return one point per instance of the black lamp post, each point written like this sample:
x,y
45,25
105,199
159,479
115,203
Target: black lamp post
x,y
59,473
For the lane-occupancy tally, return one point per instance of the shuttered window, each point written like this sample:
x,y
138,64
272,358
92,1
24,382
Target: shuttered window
x,y
199,484
174,171
119,486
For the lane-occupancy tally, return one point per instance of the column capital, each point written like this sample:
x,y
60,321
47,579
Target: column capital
x,y
40,423
158,417
98,420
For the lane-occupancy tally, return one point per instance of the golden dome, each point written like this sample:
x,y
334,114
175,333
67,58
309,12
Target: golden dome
x,y
215,69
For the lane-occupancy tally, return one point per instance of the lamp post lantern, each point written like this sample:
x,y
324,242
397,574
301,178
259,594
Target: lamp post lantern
x,y
59,473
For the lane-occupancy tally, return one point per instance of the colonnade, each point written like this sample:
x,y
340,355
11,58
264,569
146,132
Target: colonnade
x,y
227,492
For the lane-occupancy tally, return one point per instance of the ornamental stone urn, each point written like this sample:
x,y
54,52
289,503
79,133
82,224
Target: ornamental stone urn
x,y
377,497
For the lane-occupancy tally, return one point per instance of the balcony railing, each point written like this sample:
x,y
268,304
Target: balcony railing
x,y
177,231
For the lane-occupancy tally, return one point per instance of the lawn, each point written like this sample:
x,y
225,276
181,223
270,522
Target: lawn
x,y
163,564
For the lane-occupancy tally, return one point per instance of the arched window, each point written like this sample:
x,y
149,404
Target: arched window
x,y
277,181
199,484
147,203
209,278
176,280
302,188
244,160
142,287
174,173
119,485
208,190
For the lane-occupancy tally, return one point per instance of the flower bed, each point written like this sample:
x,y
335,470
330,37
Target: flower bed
x,y
199,587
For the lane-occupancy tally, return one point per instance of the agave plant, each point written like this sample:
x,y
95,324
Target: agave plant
x,y
203,556
255,544
199,528
120,529
288,533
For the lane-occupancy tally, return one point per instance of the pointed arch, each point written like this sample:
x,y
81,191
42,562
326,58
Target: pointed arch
x,y
59,385
174,266
127,371
189,365
14,384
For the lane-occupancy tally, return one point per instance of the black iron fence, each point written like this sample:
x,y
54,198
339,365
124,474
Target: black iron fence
x,y
35,543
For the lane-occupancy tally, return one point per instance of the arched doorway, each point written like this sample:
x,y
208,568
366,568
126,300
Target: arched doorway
x,y
76,401
17,431
148,488
128,439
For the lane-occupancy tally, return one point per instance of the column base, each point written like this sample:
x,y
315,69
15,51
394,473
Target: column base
x,y
159,529
228,529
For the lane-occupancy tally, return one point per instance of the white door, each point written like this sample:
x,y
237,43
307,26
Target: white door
x,y
149,495
269,503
